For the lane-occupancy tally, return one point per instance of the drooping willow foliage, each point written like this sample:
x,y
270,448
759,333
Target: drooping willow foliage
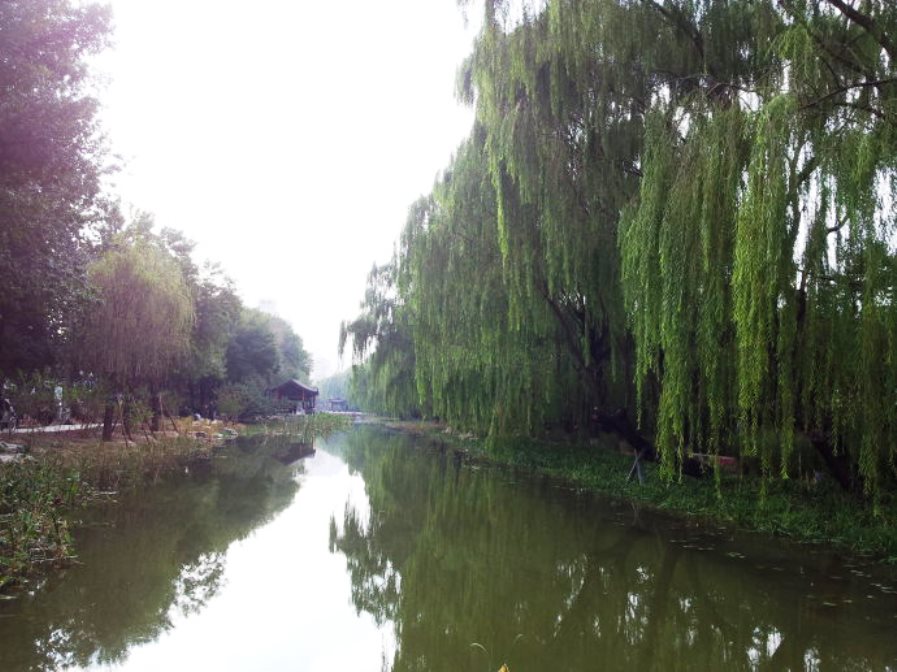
x,y
436,322
385,383
142,320
680,213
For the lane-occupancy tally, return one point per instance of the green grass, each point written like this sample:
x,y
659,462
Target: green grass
x,y
303,427
38,493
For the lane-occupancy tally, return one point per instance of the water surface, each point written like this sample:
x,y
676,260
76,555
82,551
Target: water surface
x,y
374,554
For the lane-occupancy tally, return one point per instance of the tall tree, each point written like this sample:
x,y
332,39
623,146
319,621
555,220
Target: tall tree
x,y
252,354
294,360
694,200
381,338
51,159
218,313
141,324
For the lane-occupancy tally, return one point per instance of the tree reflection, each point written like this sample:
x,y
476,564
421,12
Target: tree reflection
x,y
154,554
546,579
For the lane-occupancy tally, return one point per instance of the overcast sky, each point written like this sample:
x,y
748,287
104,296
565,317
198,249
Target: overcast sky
x,y
287,138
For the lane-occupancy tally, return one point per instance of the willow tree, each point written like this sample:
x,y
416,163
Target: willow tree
x,y
694,200
486,369
437,336
382,348
452,279
562,113
141,323
740,156
758,258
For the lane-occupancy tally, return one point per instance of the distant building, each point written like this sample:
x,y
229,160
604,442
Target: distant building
x,y
337,404
302,396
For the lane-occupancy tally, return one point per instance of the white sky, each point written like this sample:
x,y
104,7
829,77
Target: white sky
x,y
286,137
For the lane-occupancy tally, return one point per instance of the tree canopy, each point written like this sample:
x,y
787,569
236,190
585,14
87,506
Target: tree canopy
x,y
671,214
51,160
141,323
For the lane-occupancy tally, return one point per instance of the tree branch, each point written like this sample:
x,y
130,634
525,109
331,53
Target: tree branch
x,y
684,25
847,87
869,25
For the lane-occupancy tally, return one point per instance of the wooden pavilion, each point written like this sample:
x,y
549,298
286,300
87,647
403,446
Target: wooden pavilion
x,y
302,396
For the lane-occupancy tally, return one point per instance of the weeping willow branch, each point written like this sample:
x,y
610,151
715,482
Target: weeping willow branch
x,y
849,87
869,25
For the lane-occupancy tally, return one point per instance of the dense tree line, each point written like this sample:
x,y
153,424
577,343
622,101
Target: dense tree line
x,y
116,313
672,220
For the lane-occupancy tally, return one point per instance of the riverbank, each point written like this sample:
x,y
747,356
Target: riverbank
x,y
56,474
810,512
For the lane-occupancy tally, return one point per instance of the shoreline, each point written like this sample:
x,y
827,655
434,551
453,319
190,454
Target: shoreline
x,y
814,513
59,473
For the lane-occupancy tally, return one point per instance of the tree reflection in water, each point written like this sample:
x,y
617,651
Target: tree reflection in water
x,y
546,579
153,555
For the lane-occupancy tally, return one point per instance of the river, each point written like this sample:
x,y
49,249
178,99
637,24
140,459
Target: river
x,y
372,553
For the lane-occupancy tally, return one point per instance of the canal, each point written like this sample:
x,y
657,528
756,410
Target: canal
x,y
373,553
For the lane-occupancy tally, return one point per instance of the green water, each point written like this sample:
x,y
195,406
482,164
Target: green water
x,y
373,554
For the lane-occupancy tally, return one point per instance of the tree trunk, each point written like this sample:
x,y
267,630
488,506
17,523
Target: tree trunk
x,y
618,423
837,465
108,419
156,403
126,417
203,398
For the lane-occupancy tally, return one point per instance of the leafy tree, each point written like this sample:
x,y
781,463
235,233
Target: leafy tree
x,y
386,381
141,324
672,213
294,360
336,386
218,312
51,159
252,352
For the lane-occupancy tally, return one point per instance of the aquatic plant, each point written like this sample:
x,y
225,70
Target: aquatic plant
x,y
34,532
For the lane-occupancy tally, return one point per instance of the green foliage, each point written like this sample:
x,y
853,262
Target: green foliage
x,y
252,351
33,530
140,326
51,159
677,211
293,360
217,308
245,401
743,243
385,382
264,349
127,305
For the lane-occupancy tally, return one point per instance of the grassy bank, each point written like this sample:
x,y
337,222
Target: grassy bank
x,y
814,512
62,472
302,427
